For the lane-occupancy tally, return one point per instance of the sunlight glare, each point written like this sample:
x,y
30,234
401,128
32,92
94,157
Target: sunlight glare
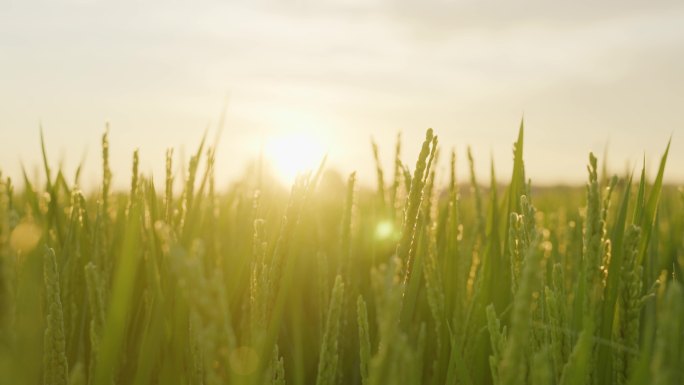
x,y
294,153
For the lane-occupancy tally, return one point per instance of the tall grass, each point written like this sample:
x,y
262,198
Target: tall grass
x,y
413,282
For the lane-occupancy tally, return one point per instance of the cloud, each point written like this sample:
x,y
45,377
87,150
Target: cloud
x,y
357,66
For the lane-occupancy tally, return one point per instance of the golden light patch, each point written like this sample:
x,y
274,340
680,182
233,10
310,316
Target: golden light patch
x,y
384,230
243,360
25,237
294,153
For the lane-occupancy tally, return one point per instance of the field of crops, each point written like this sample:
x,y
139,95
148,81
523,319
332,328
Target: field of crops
x,y
412,282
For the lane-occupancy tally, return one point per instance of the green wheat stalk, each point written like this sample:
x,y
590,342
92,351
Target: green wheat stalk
x,y
55,366
329,353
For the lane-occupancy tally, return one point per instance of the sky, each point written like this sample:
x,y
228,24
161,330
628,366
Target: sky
x,y
585,75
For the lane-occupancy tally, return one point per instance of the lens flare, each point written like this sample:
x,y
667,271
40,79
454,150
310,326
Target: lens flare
x,y
25,237
384,230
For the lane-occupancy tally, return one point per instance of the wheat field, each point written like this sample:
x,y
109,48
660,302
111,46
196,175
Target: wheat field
x,y
423,279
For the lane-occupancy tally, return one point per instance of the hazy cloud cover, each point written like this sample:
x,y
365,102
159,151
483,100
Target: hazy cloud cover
x,y
583,73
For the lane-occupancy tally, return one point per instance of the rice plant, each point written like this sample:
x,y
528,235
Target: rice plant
x,y
410,282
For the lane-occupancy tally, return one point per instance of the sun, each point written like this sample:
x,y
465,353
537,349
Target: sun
x,y
290,154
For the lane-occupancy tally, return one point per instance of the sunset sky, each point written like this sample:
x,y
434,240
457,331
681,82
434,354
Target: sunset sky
x,y
584,74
